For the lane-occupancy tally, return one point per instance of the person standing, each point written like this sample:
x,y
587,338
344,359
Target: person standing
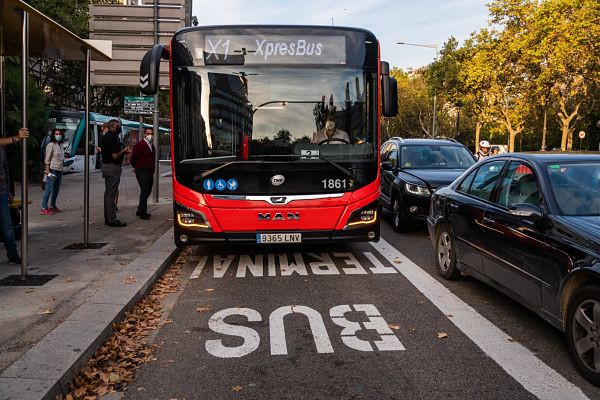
x,y
142,160
55,156
6,198
113,152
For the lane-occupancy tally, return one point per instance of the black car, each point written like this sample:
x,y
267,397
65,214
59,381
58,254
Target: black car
x,y
412,169
529,226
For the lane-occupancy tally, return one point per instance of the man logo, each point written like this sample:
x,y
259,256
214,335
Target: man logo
x,y
277,180
295,216
278,200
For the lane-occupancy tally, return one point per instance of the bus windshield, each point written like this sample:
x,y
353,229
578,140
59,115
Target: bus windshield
x,y
281,111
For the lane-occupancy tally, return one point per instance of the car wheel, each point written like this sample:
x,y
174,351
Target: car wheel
x,y
583,332
445,254
399,222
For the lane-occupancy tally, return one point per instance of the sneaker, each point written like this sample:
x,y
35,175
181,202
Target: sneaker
x,y
56,209
46,211
14,260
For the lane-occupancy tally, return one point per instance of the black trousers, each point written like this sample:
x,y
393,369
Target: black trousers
x,y
145,179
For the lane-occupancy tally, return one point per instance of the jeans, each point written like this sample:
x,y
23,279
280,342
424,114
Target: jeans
x,y
112,176
7,229
52,188
145,179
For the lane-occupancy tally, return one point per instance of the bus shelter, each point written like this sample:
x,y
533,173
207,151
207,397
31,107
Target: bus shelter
x,y
25,32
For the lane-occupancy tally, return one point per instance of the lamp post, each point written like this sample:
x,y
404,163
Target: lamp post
x,y
430,46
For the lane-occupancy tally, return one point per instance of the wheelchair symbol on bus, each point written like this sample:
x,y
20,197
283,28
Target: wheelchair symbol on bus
x,y
220,184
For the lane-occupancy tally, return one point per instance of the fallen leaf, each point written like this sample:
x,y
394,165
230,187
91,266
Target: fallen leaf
x,y
130,280
50,299
398,260
394,327
237,388
513,340
29,291
449,315
69,397
202,309
114,378
442,335
68,279
45,312
79,392
210,290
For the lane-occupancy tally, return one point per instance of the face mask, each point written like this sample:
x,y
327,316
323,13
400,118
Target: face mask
x,y
118,131
149,138
58,137
329,125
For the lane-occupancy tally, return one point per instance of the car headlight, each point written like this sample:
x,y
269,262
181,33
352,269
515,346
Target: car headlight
x,y
192,220
363,216
417,190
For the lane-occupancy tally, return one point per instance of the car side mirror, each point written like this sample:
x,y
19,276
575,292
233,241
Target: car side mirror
x,y
387,166
528,212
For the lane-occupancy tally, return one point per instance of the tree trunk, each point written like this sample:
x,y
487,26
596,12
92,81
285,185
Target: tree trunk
x,y
570,140
477,133
565,119
545,130
511,141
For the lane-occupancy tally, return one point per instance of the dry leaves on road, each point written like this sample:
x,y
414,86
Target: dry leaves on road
x,y
398,260
130,280
210,290
68,279
442,335
202,309
114,364
237,388
394,327
46,312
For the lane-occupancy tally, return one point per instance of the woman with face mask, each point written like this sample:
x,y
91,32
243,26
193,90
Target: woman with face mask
x,y
55,155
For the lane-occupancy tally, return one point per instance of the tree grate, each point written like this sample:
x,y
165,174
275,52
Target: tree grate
x,y
31,280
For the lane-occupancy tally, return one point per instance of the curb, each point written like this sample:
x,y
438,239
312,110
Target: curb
x,y
47,369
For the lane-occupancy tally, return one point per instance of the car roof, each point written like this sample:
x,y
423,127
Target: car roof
x,y
426,142
548,157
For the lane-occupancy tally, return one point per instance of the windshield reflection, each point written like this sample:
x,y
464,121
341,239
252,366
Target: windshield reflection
x,y
280,111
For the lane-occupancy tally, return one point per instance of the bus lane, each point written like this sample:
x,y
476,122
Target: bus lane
x,y
335,321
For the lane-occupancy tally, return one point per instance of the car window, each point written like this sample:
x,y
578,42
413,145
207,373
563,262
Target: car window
x,y
466,183
485,179
519,185
390,154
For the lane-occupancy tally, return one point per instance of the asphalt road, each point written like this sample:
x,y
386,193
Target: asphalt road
x,y
351,321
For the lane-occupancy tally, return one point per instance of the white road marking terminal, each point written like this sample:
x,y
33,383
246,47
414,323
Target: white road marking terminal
x,y
520,363
199,268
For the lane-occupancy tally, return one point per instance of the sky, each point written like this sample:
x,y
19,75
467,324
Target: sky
x,y
392,21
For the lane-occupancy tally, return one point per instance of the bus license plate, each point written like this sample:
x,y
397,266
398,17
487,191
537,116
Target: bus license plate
x,y
278,238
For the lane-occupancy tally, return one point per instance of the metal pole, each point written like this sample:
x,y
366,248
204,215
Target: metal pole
x,y
2,98
434,96
86,168
24,177
156,115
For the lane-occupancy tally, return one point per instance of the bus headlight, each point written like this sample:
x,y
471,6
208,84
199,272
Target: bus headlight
x,y
364,216
192,220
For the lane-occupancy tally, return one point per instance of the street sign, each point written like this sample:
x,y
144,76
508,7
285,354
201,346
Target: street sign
x,y
139,105
581,135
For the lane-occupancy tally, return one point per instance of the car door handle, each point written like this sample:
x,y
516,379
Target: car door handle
x,y
454,206
488,220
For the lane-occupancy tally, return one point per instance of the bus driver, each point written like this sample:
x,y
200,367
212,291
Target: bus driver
x,y
330,135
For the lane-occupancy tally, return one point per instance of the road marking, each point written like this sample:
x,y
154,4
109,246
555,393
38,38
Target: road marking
x,y
520,363
387,339
199,267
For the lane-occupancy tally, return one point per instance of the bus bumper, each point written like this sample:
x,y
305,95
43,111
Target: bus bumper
x,y
368,233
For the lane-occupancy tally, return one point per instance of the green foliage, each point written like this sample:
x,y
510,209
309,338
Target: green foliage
x,y
36,121
536,56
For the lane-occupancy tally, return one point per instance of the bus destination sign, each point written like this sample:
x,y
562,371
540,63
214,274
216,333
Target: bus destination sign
x,y
274,49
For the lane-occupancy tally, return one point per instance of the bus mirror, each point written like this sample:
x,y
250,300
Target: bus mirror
x,y
389,92
150,69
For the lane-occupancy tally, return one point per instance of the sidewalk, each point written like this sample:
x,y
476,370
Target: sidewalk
x,y
28,314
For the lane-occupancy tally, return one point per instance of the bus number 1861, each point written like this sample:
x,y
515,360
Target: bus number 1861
x,y
334,183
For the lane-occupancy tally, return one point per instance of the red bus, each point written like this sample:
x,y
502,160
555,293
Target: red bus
x,y
275,132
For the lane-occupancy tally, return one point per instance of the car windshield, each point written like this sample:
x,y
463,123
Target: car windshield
x,y
435,157
576,187
279,111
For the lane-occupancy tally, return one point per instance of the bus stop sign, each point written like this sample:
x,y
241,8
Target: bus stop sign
x,y
139,105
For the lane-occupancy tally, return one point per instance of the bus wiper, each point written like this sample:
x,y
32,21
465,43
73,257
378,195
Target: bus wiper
x,y
211,171
349,173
